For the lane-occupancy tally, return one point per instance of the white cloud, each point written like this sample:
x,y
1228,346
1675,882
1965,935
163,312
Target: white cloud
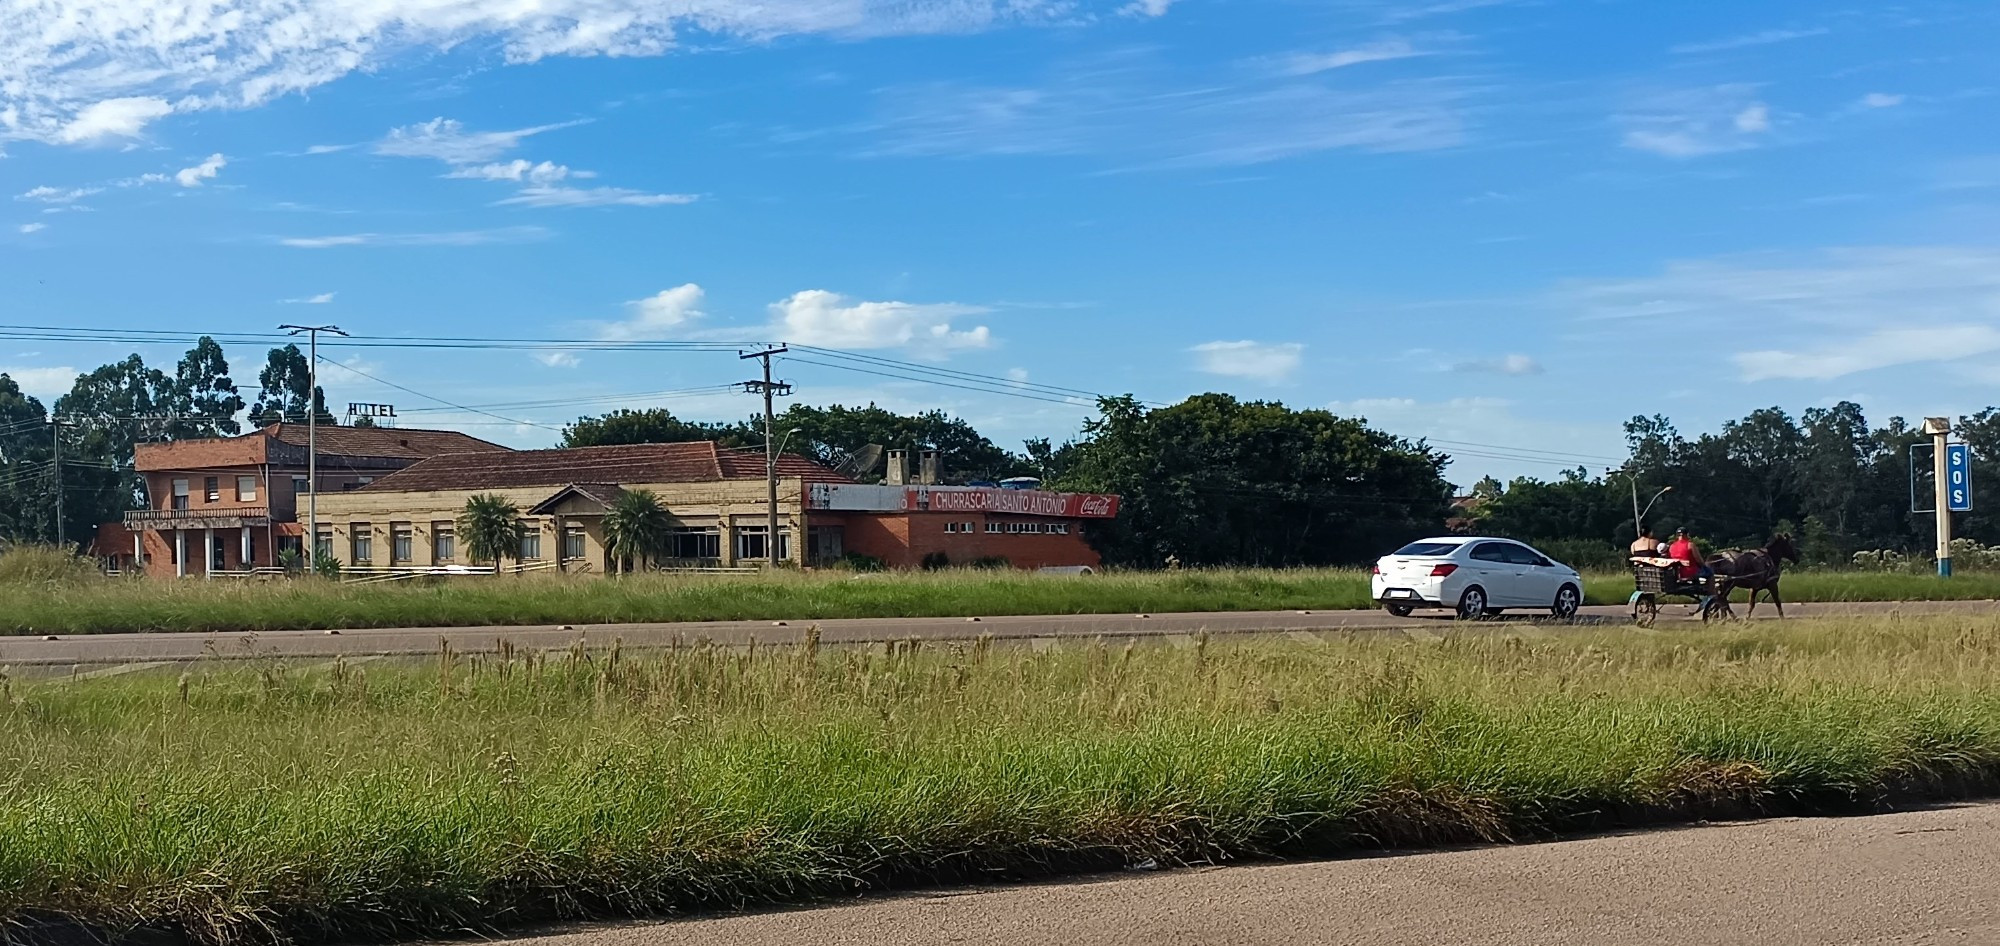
x,y
456,238
77,72
1017,375
1505,364
328,149
1696,122
1261,361
47,384
1305,64
819,317
518,170
1146,8
1881,100
592,197
1753,120
205,171
1764,38
447,140
110,118
33,227
1881,349
57,195
658,316
557,359
321,299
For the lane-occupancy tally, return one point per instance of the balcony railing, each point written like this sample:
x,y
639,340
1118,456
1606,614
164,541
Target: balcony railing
x,y
207,517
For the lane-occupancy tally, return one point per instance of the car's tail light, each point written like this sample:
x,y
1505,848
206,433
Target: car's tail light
x,y
1440,571
1375,569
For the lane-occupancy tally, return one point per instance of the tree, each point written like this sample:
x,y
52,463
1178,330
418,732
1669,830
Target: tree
x,y
284,396
637,530
1217,481
492,529
106,414
27,495
655,425
831,434
204,396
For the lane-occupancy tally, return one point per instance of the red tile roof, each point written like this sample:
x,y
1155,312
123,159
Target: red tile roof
x,y
401,442
699,462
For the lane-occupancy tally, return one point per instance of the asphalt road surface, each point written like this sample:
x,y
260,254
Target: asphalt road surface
x,y
113,649
1894,880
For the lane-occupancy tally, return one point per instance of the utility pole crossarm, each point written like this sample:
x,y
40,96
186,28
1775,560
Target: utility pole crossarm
x,y
769,389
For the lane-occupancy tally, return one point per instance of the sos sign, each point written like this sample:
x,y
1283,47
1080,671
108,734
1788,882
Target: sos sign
x,y
1958,477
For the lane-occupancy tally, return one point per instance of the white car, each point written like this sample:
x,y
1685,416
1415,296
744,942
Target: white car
x,y
1475,577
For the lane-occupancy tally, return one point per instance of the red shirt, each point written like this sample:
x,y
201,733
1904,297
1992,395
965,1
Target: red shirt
x,y
1683,551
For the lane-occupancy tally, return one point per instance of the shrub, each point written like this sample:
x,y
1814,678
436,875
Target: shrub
x,y
993,562
936,561
857,562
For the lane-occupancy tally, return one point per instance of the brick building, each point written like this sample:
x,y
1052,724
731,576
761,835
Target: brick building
x,y
228,504
716,497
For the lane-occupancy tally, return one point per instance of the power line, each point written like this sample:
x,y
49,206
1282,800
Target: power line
x,y
432,397
1075,402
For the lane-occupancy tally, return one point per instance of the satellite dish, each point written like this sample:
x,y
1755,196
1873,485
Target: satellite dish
x,y
861,462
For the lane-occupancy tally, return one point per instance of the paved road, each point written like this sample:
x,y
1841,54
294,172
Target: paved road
x,y
101,649
1894,880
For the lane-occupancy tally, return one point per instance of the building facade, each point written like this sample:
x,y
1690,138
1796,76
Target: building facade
x,y
232,504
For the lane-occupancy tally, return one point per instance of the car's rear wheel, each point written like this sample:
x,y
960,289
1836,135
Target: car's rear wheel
x,y
1472,604
1400,610
1568,600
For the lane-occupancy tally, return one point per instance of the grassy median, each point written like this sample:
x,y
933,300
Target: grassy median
x,y
262,802
70,603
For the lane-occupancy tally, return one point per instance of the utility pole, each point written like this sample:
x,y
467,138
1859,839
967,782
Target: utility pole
x,y
769,389
1638,514
55,443
1940,430
311,332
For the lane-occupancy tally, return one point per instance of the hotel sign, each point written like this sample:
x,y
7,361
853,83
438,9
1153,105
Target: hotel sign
x,y
1020,502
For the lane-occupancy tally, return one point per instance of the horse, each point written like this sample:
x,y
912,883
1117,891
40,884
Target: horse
x,y
1758,570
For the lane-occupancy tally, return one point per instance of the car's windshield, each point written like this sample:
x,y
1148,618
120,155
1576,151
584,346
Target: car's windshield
x,y
1428,548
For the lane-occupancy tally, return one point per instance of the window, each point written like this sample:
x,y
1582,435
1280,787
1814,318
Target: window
x,y
180,494
1522,555
1491,552
444,542
1429,549
572,545
750,543
531,546
1062,528
363,480
299,486
323,544
994,528
246,489
697,543
218,556
402,543
211,487
361,536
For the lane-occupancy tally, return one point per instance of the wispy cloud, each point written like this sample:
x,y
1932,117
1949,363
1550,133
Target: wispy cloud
x,y
57,195
1311,63
519,171
1763,38
557,359
32,227
1692,123
109,118
1881,100
205,171
1126,108
1146,8
448,140
1886,348
592,197
1257,361
1504,364
321,299
455,238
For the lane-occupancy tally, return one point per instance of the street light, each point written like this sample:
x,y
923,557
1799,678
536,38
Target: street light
x,y
1638,514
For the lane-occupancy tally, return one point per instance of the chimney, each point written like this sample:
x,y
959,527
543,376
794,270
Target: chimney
x,y
930,468
898,472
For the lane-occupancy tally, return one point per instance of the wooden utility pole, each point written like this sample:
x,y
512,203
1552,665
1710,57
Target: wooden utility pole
x,y
769,389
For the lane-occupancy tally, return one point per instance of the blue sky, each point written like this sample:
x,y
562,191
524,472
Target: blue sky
x,y
1511,224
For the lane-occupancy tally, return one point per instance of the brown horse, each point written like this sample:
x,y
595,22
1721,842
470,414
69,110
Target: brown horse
x,y
1758,570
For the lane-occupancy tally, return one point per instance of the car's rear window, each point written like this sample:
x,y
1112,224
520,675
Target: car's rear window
x,y
1428,548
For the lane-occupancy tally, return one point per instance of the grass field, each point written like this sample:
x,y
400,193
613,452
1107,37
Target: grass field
x,y
267,802
75,605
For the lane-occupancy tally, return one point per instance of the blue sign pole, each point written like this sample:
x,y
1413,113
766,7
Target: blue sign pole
x,y
1958,477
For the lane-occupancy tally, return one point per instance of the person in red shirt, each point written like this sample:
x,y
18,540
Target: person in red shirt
x,y
1683,550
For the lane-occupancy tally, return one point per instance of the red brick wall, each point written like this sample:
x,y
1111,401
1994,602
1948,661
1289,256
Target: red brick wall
x,y
114,541
902,540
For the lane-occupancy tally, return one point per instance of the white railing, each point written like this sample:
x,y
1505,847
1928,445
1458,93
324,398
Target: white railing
x,y
371,575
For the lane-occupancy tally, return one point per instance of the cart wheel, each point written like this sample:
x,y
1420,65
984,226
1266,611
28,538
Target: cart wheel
x,y
1645,611
1716,609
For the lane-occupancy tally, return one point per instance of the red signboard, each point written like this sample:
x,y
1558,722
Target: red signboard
x,y
1012,501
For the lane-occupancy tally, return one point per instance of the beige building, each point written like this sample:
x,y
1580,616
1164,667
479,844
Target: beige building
x,y
715,495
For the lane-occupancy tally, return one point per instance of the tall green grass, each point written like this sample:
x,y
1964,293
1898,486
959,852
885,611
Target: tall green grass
x,y
307,604
237,804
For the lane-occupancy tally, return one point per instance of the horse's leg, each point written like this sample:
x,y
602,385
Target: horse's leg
x,y
1753,603
1776,601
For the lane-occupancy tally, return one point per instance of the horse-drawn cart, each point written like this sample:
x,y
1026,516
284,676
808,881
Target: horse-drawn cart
x,y
1657,578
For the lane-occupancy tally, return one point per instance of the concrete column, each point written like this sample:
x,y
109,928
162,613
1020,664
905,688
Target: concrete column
x,y
180,553
139,551
726,533
247,564
208,552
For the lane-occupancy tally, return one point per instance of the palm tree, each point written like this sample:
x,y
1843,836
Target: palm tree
x,y
637,529
491,529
